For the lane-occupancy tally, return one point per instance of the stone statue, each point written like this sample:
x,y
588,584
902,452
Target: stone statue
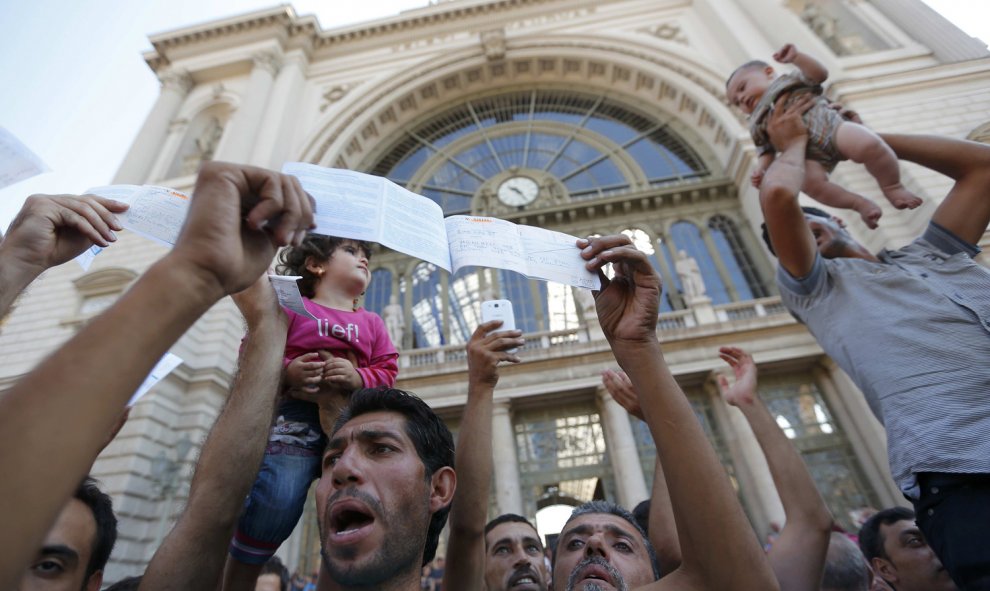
x,y
204,147
692,285
395,322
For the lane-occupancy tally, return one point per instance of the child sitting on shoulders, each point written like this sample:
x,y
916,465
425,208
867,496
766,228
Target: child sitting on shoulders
x,y
755,88
345,348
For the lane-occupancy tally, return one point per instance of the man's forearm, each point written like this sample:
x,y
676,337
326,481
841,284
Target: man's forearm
x,y
78,393
473,464
715,537
193,555
14,279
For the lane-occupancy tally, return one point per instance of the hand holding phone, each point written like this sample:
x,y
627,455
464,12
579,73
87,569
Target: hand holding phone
x,y
499,310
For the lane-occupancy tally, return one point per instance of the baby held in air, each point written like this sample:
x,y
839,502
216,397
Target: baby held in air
x,y
755,88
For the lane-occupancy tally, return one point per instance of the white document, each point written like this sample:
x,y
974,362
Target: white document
x,y
165,365
365,207
17,162
157,213
287,292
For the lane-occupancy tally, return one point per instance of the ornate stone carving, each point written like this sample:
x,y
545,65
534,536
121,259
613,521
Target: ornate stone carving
x,y
203,147
177,80
395,322
218,90
692,285
267,61
333,95
667,32
493,43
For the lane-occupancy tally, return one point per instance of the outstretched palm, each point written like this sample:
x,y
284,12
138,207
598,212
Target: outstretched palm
x,y
743,390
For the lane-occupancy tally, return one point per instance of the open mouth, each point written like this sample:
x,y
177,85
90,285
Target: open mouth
x,y
348,519
523,579
595,572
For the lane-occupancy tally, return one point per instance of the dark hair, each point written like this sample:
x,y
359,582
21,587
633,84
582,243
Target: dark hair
x,y
274,566
747,66
127,584
846,568
641,513
508,518
431,437
292,260
610,508
101,505
806,209
870,540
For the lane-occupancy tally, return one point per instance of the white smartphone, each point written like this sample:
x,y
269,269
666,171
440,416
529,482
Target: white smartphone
x,y
499,310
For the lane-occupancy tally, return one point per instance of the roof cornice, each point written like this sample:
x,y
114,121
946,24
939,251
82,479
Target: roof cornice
x,y
284,16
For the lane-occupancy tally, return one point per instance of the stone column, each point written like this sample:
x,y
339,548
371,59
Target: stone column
x,y
866,435
137,164
629,480
752,471
169,151
280,114
239,139
507,493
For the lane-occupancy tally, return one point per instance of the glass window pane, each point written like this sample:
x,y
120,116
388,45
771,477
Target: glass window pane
x,y
379,291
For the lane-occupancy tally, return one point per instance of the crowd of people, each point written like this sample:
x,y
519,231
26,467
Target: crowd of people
x,y
909,326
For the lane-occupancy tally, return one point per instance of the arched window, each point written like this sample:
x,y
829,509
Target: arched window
x,y
737,260
643,242
687,237
465,306
379,291
588,144
427,307
527,306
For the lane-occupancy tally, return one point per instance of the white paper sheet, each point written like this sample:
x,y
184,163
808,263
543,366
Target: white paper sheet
x,y
165,365
554,256
414,225
485,242
157,213
287,292
17,162
348,203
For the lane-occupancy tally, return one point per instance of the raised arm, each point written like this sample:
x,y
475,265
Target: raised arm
x,y
48,231
80,390
812,69
789,233
798,556
193,555
468,514
663,530
965,211
718,548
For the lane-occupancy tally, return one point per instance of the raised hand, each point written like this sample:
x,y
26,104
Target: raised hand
x,y
238,217
52,229
628,304
620,387
487,349
743,390
786,54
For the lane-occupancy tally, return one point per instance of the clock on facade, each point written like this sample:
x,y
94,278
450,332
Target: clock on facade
x,y
518,191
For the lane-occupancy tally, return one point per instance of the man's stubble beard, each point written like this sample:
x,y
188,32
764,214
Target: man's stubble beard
x,y
401,549
613,572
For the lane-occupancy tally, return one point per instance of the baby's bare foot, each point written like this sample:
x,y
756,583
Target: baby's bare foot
x,y
900,197
869,211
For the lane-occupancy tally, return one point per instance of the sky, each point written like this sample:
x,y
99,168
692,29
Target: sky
x,y
76,90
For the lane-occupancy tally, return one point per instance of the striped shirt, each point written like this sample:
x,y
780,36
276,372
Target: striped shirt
x,y
913,332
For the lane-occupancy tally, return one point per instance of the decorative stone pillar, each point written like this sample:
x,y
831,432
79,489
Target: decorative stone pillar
x,y
507,493
629,480
170,149
865,433
752,471
280,114
144,151
239,140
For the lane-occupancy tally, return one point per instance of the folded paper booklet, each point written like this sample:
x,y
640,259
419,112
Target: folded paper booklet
x,y
365,207
156,213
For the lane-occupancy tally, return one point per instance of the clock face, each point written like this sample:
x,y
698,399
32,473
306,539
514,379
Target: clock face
x,y
518,191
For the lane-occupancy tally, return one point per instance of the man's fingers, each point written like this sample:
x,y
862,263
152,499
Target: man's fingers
x,y
88,220
287,229
267,188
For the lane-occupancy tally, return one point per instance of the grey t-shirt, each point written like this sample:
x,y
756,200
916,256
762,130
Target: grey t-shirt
x,y
913,332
